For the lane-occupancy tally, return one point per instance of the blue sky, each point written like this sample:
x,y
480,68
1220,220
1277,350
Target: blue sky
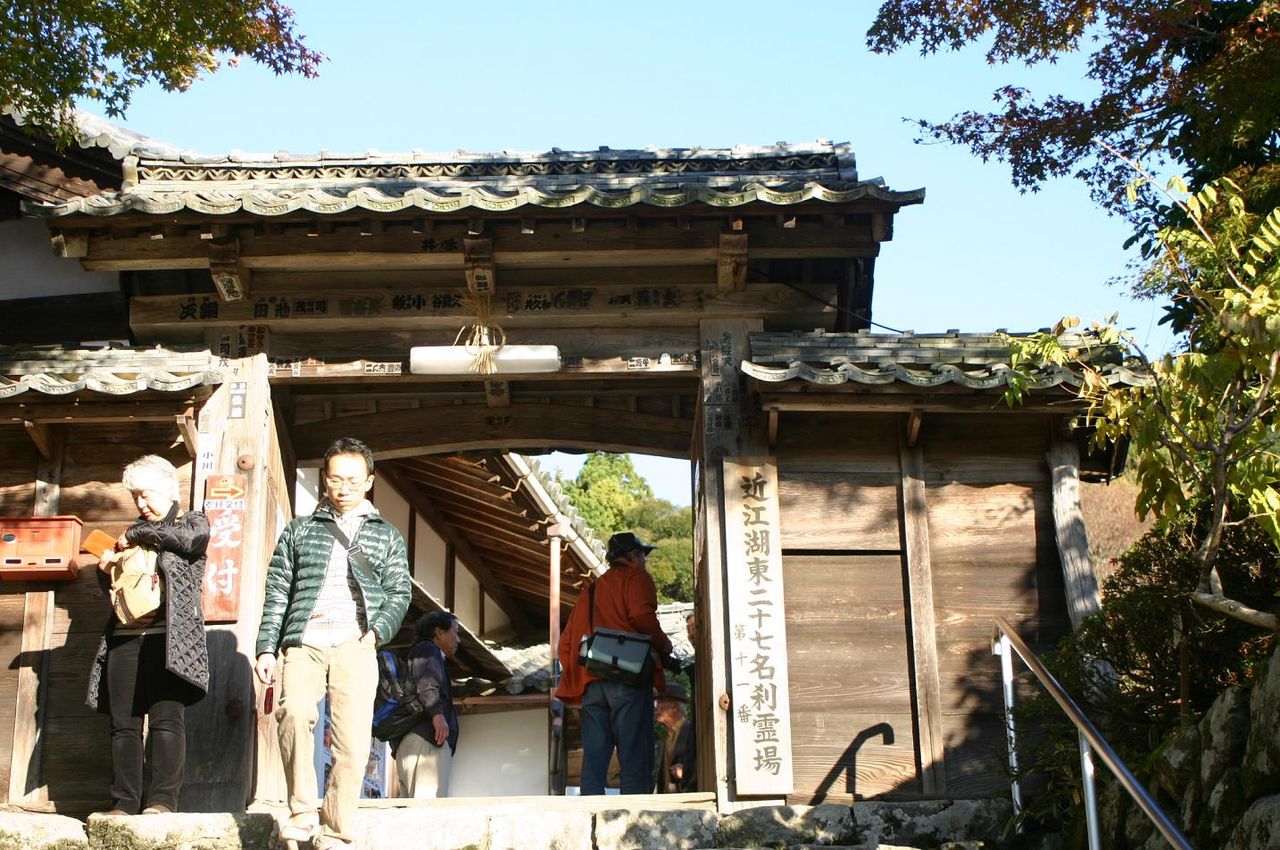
x,y
976,256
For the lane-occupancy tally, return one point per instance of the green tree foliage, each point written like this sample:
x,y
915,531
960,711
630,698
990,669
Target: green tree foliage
x,y
1190,82
58,52
611,496
1205,428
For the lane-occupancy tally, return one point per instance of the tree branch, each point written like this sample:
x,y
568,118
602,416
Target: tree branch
x,y
1236,610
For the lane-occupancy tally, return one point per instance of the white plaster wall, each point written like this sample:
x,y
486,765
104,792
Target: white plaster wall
x,y
466,596
494,617
29,269
428,560
501,754
393,508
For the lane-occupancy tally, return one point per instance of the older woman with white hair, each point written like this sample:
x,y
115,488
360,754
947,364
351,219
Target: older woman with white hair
x,y
154,670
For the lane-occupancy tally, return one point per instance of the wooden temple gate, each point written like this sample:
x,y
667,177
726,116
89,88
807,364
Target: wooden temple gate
x,y
659,276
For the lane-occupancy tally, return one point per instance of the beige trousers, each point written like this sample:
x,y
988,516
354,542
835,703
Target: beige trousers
x,y
423,768
349,674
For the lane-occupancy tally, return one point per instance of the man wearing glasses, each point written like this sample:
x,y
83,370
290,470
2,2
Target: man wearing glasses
x,y
337,587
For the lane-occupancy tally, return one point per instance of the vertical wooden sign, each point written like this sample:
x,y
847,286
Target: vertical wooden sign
x,y
224,503
761,704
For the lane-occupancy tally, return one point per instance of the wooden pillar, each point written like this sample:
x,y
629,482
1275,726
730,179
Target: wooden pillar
x,y
26,784
928,681
728,427
1069,530
237,435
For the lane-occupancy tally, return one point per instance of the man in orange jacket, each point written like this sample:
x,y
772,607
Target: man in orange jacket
x,y
615,715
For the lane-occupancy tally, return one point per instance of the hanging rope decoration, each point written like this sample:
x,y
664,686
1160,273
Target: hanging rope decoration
x,y
481,339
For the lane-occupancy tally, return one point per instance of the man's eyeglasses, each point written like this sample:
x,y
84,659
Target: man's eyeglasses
x,y
344,483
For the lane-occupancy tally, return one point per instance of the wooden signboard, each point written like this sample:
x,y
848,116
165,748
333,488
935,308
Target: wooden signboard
x,y
761,707
224,503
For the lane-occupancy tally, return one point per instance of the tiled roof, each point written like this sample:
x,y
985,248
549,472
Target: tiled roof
x,y
95,132
113,371
326,184
977,361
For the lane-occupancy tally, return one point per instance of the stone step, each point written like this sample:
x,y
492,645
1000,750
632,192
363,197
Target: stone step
x,y
678,822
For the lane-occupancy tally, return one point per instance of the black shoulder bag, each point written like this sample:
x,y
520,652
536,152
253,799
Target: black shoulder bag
x,y
617,656
356,555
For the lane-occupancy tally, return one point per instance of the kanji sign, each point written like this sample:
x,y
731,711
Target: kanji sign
x,y
224,504
761,709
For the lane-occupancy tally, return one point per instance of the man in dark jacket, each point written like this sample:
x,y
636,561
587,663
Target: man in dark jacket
x,y
616,715
424,756
327,606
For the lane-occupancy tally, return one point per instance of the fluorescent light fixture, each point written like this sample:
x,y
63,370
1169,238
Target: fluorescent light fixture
x,y
461,359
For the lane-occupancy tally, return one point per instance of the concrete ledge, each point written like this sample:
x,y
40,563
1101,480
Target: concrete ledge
x,y
671,822
23,831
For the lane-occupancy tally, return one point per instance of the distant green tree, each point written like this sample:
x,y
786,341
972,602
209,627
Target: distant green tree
x,y
606,489
611,496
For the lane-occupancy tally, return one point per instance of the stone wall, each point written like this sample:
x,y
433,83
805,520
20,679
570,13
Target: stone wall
x,y
1219,779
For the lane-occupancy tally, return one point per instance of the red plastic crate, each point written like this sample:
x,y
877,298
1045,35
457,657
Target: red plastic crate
x,y
39,548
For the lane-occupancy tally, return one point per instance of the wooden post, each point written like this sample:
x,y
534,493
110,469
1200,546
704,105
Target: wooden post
x,y
25,777
1069,530
928,681
237,436
721,412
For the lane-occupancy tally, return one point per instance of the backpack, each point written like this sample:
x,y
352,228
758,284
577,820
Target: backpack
x,y
396,708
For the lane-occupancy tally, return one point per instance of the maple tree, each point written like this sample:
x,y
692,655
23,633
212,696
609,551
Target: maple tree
x,y
1190,83
58,54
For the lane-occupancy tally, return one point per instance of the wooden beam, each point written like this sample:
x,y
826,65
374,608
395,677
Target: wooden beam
x,y
230,279
731,263
914,418
404,433
45,437
43,411
497,393
366,310
964,400
930,735
186,423
478,264
26,782
608,242
1069,531
722,433
462,548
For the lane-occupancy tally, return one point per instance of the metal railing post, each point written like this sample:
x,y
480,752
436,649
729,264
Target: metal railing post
x,y
1002,649
1090,794
1091,741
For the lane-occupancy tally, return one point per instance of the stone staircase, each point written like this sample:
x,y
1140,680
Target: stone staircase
x,y
668,822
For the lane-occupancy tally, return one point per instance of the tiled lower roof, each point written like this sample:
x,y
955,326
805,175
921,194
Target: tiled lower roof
x,y
977,361
113,371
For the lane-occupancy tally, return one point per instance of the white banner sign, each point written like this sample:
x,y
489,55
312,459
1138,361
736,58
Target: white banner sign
x,y
761,710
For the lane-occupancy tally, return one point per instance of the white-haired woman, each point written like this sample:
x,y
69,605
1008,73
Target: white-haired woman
x,y
155,671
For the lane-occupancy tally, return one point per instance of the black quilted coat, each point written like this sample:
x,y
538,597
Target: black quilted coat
x,y
181,542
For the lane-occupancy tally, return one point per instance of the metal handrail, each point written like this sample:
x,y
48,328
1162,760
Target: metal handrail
x,y
1090,739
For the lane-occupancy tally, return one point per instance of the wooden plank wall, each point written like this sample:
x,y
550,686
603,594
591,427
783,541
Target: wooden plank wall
x,y
993,551
852,724
855,714
74,774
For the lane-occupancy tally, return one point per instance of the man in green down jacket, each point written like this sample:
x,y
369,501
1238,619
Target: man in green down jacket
x,y
328,605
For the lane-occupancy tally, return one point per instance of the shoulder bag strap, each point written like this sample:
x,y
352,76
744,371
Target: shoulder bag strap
x,y
591,608
355,554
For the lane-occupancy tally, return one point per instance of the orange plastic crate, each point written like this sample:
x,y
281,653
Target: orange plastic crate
x,y
39,548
